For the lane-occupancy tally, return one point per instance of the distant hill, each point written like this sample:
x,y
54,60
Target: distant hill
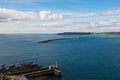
x,y
115,33
87,33
75,33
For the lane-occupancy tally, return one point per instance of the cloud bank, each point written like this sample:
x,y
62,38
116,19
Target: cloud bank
x,y
55,27
8,18
110,12
92,14
7,15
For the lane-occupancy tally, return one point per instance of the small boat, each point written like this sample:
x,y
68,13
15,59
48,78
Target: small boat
x,y
78,37
57,73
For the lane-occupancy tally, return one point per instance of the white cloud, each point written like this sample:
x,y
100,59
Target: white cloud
x,y
110,12
7,15
80,14
48,15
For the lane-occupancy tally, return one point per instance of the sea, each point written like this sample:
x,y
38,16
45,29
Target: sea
x,y
92,57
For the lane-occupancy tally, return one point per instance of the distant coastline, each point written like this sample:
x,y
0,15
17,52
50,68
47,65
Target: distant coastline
x,y
87,33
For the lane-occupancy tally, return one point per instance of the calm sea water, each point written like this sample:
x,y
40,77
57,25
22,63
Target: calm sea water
x,y
93,57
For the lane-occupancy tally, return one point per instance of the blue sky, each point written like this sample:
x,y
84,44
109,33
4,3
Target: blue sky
x,y
52,16
62,5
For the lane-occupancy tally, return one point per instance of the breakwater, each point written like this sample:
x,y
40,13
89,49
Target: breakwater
x,y
50,40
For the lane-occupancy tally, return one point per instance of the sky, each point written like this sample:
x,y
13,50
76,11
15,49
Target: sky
x,y
56,16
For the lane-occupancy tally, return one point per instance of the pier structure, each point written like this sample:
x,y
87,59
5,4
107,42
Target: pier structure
x,y
33,71
51,70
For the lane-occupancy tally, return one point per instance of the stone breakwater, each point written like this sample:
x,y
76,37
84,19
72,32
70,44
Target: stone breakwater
x,y
50,40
